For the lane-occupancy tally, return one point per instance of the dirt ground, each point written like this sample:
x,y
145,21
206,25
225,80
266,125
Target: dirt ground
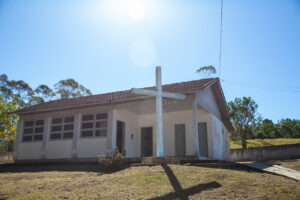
x,y
142,182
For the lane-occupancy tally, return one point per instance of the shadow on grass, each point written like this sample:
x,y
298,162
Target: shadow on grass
x,y
81,167
184,193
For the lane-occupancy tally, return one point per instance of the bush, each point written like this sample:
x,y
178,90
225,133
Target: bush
x,y
114,161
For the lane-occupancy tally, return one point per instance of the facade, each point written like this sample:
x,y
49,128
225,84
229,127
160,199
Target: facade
x,y
88,126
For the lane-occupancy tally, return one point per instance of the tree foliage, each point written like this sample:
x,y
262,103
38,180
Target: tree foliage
x,y
16,94
8,121
70,88
243,116
207,71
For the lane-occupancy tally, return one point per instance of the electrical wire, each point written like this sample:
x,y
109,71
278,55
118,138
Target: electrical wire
x,y
264,86
221,30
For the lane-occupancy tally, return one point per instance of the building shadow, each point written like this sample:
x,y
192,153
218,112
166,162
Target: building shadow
x,y
63,167
179,192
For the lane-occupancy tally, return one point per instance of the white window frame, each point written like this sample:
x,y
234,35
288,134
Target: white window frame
x,y
62,131
34,126
94,128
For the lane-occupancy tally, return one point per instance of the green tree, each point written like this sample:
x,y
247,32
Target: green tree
x,y
290,128
41,94
70,88
267,129
8,121
243,117
207,71
9,89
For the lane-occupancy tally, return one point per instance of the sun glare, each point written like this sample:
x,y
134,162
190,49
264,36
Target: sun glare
x,y
135,9
122,9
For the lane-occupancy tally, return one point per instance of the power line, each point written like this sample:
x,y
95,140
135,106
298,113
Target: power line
x,y
221,30
264,86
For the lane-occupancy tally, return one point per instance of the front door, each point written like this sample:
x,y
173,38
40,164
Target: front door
x,y
120,136
179,140
202,137
146,142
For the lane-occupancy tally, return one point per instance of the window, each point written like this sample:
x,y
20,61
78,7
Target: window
x,y
94,125
62,128
33,130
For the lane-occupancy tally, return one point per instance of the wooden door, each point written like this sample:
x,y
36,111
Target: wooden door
x,y
146,142
180,140
202,137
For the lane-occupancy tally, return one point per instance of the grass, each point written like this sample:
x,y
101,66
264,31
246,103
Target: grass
x,y
264,142
142,182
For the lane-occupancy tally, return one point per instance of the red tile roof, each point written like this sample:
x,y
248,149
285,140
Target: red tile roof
x,y
127,95
113,97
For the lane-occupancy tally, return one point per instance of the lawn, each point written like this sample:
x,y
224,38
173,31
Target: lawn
x,y
142,182
264,142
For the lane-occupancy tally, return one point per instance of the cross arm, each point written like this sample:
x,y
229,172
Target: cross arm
x,y
155,93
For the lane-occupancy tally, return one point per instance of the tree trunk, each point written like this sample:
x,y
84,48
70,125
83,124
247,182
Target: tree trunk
x,y
244,139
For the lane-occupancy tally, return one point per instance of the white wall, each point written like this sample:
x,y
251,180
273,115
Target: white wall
x,y
30,150
170,119
91,147
207,100
56,149
131,127
218,141
59,149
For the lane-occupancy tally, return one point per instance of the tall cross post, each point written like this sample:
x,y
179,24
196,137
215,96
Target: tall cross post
x,y
159,94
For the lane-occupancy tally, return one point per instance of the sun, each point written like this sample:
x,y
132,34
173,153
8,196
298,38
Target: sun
x,y
136,9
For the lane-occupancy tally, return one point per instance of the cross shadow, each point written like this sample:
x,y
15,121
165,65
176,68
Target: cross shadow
x,y
181,193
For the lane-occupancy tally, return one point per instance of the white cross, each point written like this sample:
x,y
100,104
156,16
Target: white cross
x,y
159,94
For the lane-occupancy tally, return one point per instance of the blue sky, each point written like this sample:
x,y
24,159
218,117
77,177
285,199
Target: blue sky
x,y
112,45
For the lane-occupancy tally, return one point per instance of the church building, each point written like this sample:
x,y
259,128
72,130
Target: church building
x,y
85,127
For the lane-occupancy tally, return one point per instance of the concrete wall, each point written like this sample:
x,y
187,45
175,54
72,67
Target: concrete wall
x,y
220,143
59,149
86,147
6,157
131,128
266,153
170,120
91,147
218,137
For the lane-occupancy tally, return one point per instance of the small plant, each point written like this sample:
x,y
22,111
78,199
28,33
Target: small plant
x,y
113,161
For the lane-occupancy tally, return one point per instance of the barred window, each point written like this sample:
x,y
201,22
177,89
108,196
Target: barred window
x,y
62,128
94,125
33,130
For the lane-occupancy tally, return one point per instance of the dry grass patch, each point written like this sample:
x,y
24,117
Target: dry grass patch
x,y
264,142
144,182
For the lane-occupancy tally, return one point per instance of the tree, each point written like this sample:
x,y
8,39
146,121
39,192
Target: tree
x,y
9,89
70,88
8,122
290,128
206,71
41,94
242,113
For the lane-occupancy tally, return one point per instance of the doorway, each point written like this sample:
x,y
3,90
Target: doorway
x,y
180,140
120,136
202,138
146,142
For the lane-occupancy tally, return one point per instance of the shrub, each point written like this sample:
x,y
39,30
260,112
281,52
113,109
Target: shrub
x,y
113,161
